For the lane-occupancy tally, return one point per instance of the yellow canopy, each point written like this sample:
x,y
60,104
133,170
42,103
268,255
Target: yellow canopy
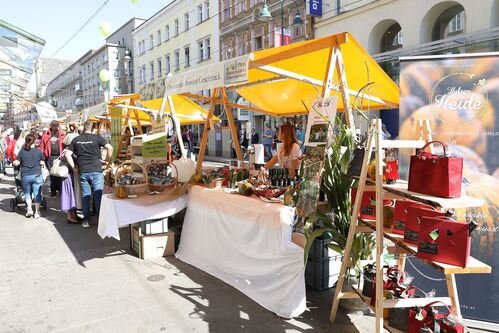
x,y
187,111
270,88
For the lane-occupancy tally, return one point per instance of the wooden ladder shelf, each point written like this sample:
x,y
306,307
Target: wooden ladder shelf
x,y
398,190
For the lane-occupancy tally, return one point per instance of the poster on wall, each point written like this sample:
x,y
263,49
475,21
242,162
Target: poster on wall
x,y
459,94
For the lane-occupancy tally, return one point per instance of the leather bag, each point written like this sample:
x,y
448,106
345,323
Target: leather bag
x,y
437,175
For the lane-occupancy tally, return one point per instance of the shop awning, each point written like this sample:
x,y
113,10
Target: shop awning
x,y
281,80
187,111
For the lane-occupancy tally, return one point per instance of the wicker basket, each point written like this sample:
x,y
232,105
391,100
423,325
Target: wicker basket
x,y
161,166
136,189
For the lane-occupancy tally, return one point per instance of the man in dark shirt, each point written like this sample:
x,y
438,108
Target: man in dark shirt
x,y
255,138
86,147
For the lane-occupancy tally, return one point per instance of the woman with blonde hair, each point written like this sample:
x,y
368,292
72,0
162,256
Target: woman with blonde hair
x,y
288,155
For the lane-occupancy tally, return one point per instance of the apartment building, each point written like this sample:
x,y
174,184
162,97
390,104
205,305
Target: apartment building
x,y
388,29
181,36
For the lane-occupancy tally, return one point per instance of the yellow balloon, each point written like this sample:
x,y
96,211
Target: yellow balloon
x,y
105,28
104,75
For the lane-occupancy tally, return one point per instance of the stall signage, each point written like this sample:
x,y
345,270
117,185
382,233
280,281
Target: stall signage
x,y
314,7
322,113
154,146
209,77
46,112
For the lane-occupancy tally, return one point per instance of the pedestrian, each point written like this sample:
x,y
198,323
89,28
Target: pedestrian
x,y
268,137
11,148
70,187
3,149
52,147
255,138
31,161
88,167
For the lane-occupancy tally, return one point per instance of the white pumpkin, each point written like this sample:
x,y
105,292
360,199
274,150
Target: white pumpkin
x,y
185,168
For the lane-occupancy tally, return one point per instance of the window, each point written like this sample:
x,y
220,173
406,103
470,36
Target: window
x,y
241,44
187,61
457,23
143,73
167,64
151,42
200,13
151,71
226,11
201,51
206,10
177,60
160,68
158,37
176,27
167,32
186,21
240,6
204,49
98,62
257,38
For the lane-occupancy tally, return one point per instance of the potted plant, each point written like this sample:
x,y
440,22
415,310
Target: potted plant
x,y
334,223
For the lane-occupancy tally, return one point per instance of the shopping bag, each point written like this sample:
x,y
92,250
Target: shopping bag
x,y
419,317
413,220
445,240
59,167
438,175
367,209
45,173
400,214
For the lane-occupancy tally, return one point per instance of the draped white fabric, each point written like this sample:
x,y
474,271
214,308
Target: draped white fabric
x,y
116,213
246,243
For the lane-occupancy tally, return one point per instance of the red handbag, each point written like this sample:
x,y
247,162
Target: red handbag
x,y
438,175
445,240
418,318
393,281
368,204
414,215
400,214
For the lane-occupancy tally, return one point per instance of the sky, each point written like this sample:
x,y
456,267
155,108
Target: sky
x,y
56,21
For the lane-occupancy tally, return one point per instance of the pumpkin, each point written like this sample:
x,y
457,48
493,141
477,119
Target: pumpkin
x,y
485,187
409,104
471,160
120,191
445,131
418,79
496,173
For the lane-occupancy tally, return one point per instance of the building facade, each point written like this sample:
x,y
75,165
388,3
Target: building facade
x,y
181,36
388,29
241,30
123,37
65,91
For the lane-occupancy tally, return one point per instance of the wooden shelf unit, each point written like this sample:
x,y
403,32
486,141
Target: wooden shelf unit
x,y
398,190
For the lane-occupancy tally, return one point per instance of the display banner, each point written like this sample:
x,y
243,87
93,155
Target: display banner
x,y
208,77
46,112
116,114
459,94
322,111
277,36
154,146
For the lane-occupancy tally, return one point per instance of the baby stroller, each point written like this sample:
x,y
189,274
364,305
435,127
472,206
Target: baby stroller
x,y
18,199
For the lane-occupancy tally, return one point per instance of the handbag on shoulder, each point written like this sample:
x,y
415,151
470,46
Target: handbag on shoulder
x,y
59,167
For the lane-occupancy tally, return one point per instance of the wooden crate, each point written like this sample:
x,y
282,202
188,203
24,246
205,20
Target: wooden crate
x,y
152,246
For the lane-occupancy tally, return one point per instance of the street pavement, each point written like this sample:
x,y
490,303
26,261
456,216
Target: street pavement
x,y
56,277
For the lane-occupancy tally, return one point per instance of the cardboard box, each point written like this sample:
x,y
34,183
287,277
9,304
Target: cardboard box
x,y
151,227
152,246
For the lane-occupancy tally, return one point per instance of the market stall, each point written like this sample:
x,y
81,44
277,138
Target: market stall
x,y
244,241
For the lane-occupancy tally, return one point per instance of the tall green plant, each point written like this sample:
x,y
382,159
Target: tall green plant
x,y
336,185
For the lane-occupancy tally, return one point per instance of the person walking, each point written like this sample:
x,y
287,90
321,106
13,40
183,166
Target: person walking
x,y
3,149
268,137
70,187
51,147
88,167
31,160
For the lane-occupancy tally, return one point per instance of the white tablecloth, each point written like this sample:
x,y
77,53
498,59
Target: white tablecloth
x,y
116,213
246,243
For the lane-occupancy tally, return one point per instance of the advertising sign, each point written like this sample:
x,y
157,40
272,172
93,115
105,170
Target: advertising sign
x,y
314,8
459,94
154,146
322,112
46,112
212,76
277,36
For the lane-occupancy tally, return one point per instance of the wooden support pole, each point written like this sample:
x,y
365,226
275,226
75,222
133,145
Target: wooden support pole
x,y
232,126
353,224
204,138
379,226
177,127
345,95
450,279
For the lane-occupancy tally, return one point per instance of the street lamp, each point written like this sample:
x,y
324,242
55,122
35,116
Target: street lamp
x,y
266,16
